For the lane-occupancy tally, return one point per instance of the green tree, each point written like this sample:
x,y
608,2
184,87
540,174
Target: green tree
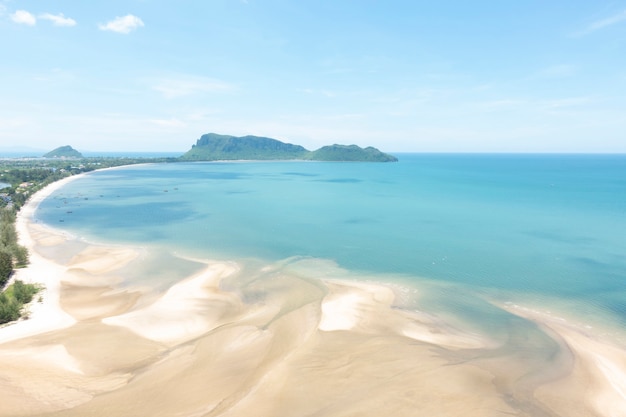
x,y
7,216
20,253
23,293
8,235
9,308
6,266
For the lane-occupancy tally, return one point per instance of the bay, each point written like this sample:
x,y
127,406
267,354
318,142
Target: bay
x,y
466,231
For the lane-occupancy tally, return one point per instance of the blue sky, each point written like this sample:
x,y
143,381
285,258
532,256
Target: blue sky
x,y
404,76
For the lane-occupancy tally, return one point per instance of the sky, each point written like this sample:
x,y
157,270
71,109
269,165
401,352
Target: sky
x,y
403,76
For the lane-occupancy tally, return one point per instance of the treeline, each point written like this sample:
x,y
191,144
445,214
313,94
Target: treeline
x,y
17,175
12,255
37,177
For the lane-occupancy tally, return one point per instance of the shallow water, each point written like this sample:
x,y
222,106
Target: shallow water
x,y
465,230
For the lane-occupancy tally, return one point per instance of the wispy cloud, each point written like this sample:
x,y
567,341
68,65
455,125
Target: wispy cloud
x,y
185,86
325,93
58,19
55,76
556,71
200,115
603,23
346,116
168,123
123,24
501,104
23,17
567,102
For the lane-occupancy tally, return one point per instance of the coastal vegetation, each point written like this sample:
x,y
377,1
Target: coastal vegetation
x,y
215,147
12,255
13,299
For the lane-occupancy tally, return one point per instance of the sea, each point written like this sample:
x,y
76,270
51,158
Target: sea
x,y
461,234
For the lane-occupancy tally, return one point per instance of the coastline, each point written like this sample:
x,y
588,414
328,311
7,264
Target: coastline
x,y
600,367
47,314
328,348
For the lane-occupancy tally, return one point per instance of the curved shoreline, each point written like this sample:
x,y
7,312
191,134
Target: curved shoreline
x,y
46,315
331,342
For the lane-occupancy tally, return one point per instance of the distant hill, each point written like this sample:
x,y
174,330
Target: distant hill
x,y
63,152
215,147
350,153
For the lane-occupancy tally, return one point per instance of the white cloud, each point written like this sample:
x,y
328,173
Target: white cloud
x,y
179,87
24,17
27,18
124,24
601,24
58,20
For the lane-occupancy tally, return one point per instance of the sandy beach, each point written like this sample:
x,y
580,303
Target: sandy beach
x,y
283,346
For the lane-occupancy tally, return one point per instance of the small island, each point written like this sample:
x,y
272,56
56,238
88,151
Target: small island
x,y
350,153
64,152
216,147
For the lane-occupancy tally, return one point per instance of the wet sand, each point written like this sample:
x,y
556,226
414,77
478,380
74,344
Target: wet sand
x,y
223,342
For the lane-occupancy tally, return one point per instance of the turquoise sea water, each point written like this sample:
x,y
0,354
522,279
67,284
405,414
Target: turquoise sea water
x,y
544,230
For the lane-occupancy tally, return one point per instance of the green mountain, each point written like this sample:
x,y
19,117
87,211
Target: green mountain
x,y
350,153
63,152
214,147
